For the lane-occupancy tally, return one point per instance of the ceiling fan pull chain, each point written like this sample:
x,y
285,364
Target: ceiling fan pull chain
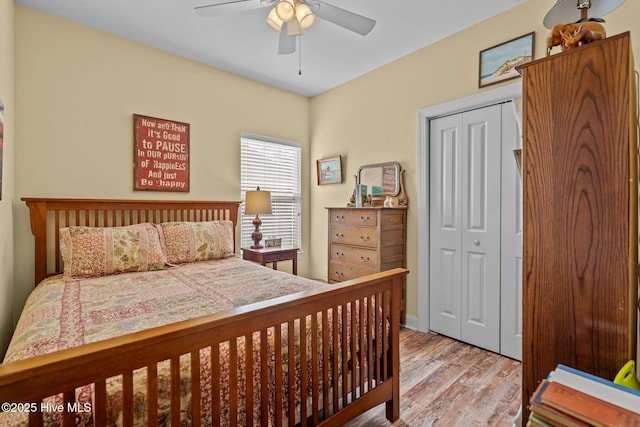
x,y
300,55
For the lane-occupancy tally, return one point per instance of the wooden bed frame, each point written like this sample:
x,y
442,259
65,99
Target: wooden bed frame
x,y
371,379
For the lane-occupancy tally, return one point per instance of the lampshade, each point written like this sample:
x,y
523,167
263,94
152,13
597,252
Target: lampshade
x,y
568,11
285,9
257,202
274,21
293,28
304,15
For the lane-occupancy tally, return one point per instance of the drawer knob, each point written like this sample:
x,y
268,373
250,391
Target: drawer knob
x,y
364,218
364,259
339,236
339,217
364,238
339,255
338,273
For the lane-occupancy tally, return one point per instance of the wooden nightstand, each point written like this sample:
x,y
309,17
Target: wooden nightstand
x,y
272,255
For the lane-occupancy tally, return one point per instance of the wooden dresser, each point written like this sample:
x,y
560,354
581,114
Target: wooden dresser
x,y
366,240
580,213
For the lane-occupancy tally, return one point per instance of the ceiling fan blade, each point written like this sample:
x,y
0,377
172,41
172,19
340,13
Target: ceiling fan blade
x,y
214,8
344,18
286,43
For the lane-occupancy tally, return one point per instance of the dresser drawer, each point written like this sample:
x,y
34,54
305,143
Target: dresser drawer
x,y
339,272
280,256
359,236
364,216
352,255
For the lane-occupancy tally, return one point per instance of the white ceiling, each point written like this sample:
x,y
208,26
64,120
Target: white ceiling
x,y
244,44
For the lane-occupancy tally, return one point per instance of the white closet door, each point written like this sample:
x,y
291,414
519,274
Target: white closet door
x,y
481,157
445,225
465,226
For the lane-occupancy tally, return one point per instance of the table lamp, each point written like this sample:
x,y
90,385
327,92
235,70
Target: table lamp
x,y
257,202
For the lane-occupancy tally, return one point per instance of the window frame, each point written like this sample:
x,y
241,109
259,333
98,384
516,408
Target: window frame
x,y
286,199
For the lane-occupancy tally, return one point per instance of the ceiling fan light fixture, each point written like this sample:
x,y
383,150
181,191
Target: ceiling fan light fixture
x,y
305,17
285,9
293,28
274,21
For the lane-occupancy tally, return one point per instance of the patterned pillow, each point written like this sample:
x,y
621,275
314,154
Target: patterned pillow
x,y
98,251
196,241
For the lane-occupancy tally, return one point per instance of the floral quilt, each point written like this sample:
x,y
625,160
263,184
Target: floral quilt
x,y
63,313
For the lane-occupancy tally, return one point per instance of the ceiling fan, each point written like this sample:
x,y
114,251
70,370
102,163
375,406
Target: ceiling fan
x,y
291,17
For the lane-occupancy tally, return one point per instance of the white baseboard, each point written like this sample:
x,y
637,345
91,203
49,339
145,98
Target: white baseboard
x,y
411,322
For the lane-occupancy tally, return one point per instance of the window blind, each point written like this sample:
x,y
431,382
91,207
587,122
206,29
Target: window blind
x,y
273,166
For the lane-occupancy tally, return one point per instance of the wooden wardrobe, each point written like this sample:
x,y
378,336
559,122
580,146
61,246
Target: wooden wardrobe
x,y
580,212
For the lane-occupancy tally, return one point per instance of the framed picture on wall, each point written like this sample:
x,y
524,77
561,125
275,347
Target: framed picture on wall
x,y
329,170
498,63
161,154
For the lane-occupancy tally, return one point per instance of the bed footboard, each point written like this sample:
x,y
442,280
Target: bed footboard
x,y
353,336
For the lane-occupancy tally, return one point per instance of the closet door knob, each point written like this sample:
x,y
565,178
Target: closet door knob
x,y
476,242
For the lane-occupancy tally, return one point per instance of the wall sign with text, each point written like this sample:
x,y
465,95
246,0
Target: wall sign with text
x,y
161,154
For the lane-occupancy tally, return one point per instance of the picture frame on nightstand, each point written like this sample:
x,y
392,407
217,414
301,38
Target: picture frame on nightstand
x,y
272,243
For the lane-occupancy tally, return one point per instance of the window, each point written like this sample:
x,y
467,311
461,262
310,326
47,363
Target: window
x,y
273,165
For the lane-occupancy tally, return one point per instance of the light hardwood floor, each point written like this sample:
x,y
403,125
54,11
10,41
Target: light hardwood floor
x,y
447,383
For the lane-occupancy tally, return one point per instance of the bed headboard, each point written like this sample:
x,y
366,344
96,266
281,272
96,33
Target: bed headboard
x,y
47,216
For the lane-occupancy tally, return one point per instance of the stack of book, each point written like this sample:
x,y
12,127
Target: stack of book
x,y
569,397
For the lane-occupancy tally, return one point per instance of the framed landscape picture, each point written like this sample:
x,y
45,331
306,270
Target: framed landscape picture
x,y
329,171
498,63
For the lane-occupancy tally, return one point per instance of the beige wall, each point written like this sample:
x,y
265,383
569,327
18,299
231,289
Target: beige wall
x,y
6,207
373,119
76,90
